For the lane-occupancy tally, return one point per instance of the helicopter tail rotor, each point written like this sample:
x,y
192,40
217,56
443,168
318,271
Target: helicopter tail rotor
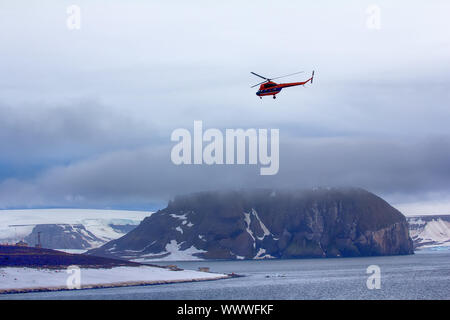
x,y
312,77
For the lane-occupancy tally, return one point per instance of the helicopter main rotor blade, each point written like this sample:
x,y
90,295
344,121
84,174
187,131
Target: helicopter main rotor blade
x,y
287,75
259,84
259,76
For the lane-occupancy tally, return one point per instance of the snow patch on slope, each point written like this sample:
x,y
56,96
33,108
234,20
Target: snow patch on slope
x,y
172,253
262,255
248,220
179,216
263,226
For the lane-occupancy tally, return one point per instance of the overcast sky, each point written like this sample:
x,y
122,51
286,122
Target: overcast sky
x,y
86,115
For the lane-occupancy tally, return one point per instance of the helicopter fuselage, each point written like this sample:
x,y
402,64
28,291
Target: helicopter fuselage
x,y
272,88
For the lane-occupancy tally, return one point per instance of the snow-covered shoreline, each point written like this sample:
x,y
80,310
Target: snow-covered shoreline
x,y
20,280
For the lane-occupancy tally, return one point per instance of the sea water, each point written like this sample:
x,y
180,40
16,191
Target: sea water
x,y
425,275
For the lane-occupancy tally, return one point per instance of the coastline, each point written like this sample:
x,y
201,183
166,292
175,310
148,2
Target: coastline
x,y
110,285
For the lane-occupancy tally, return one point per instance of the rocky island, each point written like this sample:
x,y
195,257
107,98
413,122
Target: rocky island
x,y
260,224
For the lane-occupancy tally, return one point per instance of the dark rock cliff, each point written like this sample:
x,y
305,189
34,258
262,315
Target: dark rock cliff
x,y
263,224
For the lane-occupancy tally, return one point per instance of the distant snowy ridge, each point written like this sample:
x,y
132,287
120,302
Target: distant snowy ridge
x,y
78,229
430,232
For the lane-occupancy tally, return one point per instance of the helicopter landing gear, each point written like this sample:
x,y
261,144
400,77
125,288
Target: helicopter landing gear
x,y
274,96
260,97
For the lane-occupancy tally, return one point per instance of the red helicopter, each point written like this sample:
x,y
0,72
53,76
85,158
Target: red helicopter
x,y
270,88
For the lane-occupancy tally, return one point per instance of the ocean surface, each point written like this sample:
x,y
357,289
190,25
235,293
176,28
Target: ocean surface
x,y
425,275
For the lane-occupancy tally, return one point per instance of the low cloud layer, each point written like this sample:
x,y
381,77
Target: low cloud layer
x,y
146,175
